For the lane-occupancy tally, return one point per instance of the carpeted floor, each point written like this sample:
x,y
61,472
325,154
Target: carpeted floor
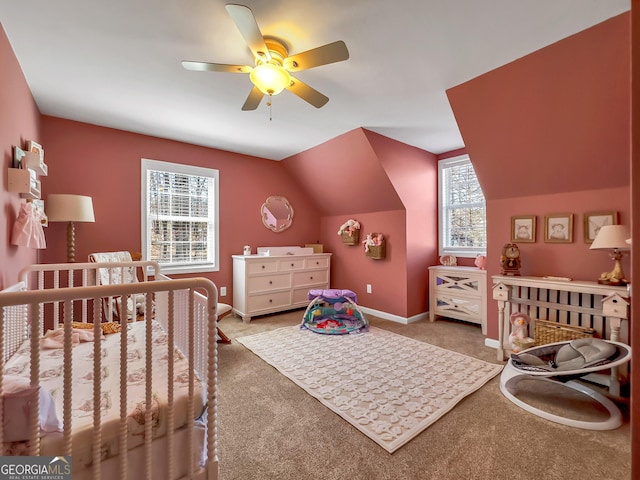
x,y
271,429
388,386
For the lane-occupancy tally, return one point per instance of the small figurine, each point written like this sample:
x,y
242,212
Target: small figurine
x,y
518,338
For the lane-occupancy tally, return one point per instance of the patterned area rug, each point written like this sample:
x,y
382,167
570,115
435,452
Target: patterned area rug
x,y
388,386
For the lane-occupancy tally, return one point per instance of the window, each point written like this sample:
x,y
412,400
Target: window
x,y
180,216
462,209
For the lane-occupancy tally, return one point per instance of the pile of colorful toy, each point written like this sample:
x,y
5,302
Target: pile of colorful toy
x,y
334,312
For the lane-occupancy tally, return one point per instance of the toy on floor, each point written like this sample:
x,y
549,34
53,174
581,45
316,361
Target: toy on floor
x,y
518,338
334,312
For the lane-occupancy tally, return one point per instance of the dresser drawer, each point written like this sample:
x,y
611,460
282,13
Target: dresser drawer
x,y
310,277
462,308
318,262
300,295
262,283
267,301
266,266
289,265
458,284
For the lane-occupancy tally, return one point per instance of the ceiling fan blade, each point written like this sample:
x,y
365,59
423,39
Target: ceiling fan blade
x,y
215,67
330,53
248,26
307,93
253,100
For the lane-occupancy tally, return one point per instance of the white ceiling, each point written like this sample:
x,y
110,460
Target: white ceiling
x,y
118,64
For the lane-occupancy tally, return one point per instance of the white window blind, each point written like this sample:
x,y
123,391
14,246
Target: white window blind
x,y
462,209
180,216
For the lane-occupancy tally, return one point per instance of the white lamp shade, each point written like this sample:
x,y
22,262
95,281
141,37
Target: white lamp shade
x,y
611,237
61,207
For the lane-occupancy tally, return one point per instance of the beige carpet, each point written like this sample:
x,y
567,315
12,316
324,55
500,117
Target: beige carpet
x,y
388,386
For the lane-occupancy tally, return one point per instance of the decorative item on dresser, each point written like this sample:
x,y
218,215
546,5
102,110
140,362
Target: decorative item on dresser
x,y
272,283
510,259
613,237
460,293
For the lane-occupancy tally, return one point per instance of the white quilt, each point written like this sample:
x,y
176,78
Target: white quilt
x,y
51,378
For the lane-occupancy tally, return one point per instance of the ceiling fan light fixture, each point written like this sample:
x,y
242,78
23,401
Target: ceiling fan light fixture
x,y
269,78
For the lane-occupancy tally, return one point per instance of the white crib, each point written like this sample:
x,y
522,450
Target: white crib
x,y
167,428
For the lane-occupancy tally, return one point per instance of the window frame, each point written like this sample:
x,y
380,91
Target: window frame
x,y
468,252
214,241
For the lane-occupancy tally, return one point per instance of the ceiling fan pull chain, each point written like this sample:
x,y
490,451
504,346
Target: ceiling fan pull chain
x,y
269,104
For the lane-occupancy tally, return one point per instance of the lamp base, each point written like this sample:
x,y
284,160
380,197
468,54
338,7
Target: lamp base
x,y
614,283
616,276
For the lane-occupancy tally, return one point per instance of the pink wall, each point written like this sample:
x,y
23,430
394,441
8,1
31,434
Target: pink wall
x,y
19,122
105,164
549,133
344,175
364,175
573,260
414,175
351,269
556,120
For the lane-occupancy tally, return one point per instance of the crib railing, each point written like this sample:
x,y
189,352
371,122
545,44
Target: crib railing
x,y
45,276
195,335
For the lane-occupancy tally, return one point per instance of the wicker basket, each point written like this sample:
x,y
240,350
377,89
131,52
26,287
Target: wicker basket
x,y
549,332
376,252
351,239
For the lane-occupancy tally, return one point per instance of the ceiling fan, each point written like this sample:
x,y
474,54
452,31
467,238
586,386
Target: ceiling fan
x,y
271,73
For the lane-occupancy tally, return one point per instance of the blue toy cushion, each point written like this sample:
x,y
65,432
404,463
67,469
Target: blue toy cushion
x,y
334,312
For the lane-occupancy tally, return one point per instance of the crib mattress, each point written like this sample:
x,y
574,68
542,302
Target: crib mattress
x,y
51,378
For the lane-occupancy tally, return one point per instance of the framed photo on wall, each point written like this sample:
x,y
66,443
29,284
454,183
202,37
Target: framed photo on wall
x,y
558,228
594,221
523,228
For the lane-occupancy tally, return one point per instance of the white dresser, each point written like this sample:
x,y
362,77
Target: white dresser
x,y
268,284
460,293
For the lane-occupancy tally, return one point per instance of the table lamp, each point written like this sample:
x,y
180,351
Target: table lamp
x,y
62,207
612,237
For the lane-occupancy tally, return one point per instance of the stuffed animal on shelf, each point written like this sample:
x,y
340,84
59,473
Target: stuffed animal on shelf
x,y
368,242
519,338
349,227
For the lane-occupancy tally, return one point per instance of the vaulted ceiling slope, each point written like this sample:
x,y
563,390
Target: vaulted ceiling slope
x,y
117,63
361,171
557,120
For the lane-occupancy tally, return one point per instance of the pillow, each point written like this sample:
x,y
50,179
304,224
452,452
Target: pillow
x,y
18,396
107,327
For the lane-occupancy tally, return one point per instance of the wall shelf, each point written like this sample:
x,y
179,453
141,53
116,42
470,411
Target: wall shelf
x,y
34,161
25,182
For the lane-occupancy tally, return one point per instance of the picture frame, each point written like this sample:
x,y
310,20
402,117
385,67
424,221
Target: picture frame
x,y
35,147
594,221
523,229
558,228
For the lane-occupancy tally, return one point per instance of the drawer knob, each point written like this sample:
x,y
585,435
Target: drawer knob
x,y
310,278
292,264
270,282
270,301
263,266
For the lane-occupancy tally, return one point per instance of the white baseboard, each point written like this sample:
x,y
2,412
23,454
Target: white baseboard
x,y
492,343
394,318
488,342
